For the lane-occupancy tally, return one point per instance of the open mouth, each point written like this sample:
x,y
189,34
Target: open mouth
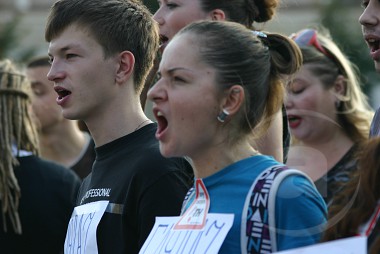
x,y
294,121
162,122
292,118
163,41
62,93
373,44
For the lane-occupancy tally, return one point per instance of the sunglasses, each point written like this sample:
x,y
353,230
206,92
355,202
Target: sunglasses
x,y
308,37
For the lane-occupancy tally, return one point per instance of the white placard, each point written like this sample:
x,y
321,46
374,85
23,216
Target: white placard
x,y
81,231
165,239
351,245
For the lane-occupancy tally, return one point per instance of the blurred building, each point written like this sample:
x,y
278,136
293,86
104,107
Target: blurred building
x,y
291,16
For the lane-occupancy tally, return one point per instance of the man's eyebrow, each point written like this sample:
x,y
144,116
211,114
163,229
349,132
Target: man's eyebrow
x,y
66,48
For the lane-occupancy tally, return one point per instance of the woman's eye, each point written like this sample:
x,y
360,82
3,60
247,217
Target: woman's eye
x,y
297,91
296,87
171,5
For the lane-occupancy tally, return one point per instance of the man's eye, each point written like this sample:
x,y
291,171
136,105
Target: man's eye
x,y
37,92
178,79
70,56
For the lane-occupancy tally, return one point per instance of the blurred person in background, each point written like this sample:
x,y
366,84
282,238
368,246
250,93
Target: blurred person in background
x,y
328,113
61,139
37,196
355,210
370,21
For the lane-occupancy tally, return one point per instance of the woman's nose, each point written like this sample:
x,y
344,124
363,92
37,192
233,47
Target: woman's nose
x,y
288,101
157,92
158,17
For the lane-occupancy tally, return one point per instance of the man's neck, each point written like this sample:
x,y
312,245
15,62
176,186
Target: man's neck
x,y
116,121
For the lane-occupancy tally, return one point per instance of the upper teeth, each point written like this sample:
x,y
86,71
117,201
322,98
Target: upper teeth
x,y
159,113
371,40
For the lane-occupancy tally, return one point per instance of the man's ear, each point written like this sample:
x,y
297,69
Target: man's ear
x,y
218,15
126,63
234,98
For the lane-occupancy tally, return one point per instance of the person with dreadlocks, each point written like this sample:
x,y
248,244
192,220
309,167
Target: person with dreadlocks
x,y
36,196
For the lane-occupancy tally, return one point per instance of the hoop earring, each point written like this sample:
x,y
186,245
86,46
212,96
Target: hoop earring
x,y
223,115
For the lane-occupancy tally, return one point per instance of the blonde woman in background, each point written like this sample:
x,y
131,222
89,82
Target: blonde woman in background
x,y
328,113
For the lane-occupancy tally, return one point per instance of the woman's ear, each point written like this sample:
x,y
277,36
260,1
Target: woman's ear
x,y
218,15
125,66
339,89
340,85
234,98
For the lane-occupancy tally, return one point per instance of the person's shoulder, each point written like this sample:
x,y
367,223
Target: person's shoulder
x,y
41,163
50,169
298,186
83,166
263,162
152,165
151,155
375,125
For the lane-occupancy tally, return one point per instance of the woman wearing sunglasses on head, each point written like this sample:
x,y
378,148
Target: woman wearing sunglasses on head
x,y
328,113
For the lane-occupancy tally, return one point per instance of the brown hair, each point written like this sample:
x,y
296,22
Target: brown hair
x,y
17,130
362,194
39,61
245,12
117,25
257,63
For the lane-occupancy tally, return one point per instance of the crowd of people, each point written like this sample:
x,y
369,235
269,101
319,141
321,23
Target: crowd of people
x,y
273,130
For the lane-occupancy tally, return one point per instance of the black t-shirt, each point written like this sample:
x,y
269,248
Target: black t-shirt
x,y
286,136
335,179
48,194
141,184
84,165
